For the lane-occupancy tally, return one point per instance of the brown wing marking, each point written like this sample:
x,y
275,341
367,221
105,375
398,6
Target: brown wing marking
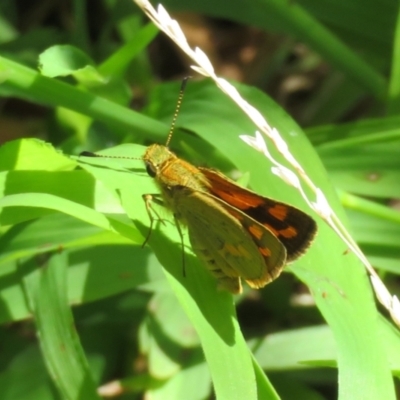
x,y
294,228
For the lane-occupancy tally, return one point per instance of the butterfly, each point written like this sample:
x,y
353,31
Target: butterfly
x,y
236,233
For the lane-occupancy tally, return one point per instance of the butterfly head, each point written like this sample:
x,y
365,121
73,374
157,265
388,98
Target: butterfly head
x,y
155,157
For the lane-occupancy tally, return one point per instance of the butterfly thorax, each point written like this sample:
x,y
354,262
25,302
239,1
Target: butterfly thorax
x,y
171,172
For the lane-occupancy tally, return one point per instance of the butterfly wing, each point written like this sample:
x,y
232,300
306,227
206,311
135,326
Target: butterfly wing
x,y
294,228
231,244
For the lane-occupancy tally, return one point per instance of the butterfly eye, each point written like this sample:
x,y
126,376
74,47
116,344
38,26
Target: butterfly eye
x,y
151,169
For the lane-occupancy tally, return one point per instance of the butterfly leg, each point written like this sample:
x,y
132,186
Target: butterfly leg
x,y
178,227
156,198
148,200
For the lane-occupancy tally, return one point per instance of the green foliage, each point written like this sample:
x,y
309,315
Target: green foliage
x,y
72,227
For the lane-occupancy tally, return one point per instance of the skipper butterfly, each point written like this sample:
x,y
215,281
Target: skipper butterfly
x,y
236,233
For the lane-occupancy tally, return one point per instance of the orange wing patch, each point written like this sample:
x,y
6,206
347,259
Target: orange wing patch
x,y
256,231
230,191
279,211
288,233
265,251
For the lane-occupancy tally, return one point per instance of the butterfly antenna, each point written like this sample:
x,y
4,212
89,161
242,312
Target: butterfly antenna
x,y
171,129
90,154
177,108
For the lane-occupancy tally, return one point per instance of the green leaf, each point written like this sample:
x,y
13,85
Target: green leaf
x,y
60,344
64,60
